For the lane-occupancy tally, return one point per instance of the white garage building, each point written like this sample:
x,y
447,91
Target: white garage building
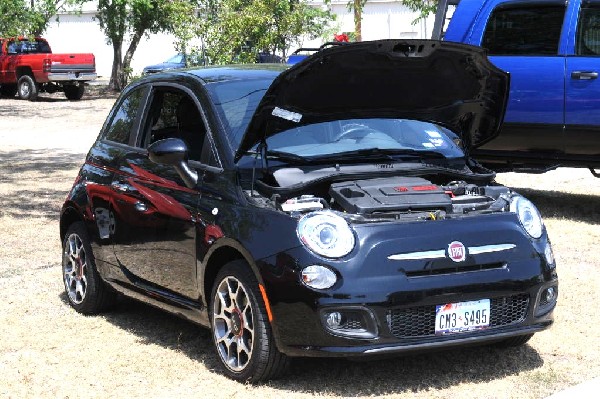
x,y
382,19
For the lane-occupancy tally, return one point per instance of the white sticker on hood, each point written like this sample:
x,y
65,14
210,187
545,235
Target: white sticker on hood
x,y
287,115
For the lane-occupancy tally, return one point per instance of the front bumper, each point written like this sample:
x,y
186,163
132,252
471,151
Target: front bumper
x,y
400,295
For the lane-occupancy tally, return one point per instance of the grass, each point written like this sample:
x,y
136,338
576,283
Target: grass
x,y
49,351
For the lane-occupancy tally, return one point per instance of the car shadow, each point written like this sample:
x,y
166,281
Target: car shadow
x,y
345,378
568,206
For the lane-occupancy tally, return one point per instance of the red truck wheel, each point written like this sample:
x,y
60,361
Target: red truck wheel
x,y
74,92
27,88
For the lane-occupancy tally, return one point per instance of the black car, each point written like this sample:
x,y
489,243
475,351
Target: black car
x,y
328,209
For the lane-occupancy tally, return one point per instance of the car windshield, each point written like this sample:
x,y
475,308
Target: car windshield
x,y
358,137
176,59
236,102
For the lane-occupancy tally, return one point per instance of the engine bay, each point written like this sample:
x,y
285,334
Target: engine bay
x,y
389,198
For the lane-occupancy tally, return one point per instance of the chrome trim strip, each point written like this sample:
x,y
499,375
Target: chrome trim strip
x,y
440,253
484,249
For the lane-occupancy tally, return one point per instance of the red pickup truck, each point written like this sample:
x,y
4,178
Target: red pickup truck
x,y
28,67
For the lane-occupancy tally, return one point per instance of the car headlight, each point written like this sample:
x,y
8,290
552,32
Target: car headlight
x,y
529,216
326,234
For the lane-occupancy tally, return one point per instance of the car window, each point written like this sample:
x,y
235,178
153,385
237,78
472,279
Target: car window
x,y
120,127
524,30
588,31
174,114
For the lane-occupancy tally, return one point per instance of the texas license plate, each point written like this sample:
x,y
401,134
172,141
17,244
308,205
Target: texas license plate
x,y
462,316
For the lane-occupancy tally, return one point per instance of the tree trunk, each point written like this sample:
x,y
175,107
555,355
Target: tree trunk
x,y
135,41
358,5
115,82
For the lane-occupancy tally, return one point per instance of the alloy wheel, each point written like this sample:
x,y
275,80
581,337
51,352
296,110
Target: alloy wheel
x,y
233,326
75,268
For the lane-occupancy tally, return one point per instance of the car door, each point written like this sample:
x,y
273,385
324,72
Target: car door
x,y
582,114
524,39
155,212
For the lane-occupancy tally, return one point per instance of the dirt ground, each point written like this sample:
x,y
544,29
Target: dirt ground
x,y
49,351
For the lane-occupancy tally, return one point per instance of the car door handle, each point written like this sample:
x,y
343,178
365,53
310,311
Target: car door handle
x,y
584,75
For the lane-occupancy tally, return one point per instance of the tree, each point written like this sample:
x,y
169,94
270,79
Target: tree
x,y
42,11
128,21
14,18
28,17
423,7
240,29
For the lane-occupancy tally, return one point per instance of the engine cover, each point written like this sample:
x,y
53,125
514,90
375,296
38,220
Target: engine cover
x,y
390,194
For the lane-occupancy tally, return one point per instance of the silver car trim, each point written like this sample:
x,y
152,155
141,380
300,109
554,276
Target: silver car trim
x,y
441,253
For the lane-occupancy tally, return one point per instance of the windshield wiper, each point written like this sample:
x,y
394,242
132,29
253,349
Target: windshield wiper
x,y
377,154
287,157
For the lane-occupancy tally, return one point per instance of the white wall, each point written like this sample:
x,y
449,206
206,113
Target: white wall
x,y
382,19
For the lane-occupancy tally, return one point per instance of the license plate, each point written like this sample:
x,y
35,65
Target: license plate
x,y
462,316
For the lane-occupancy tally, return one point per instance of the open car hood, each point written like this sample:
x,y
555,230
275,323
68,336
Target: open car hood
x,y
451,84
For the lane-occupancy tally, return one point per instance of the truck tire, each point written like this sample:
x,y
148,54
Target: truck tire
x,y
74,92
8,90
27,88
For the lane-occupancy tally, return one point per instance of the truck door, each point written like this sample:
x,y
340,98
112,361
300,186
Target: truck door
x,y
524,39
582,116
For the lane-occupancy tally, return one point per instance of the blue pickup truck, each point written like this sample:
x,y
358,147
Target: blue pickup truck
x,y
552,51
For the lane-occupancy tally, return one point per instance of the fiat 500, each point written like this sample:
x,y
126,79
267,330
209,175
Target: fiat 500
x,y
328,209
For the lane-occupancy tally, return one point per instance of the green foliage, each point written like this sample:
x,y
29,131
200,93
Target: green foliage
x,y
14,18
237,30
423,7
28,18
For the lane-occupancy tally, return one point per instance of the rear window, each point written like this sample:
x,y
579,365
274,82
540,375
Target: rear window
x,y
524,30
28,47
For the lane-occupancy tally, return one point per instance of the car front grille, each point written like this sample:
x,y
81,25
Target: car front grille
x,y
420,321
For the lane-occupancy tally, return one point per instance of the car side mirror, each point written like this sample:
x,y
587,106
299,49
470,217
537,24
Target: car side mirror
x,y
173,152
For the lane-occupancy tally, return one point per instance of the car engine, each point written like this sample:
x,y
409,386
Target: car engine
x,y
398,197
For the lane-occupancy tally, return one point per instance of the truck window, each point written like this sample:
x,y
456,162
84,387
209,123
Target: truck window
x,y
588,31
524,30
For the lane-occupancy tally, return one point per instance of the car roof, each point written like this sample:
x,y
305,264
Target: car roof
x,y
221,74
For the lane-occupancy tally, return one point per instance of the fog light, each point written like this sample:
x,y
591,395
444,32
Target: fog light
x,y
318,277
549,255
549,295
547,301
354,322
334,320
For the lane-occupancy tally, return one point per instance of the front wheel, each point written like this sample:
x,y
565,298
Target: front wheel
x,y
242,335
86,291
74,92
27,88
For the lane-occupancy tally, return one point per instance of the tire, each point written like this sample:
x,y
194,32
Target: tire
x,y
242,336
27,88
74,92
515,341
8,90
86,292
